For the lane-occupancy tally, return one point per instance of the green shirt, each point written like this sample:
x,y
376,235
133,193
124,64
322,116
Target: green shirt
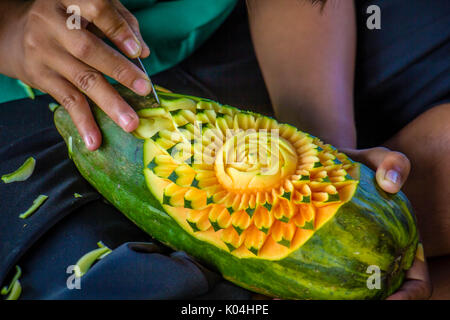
x,y
172,29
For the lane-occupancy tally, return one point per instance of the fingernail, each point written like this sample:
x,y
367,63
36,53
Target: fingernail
x,y
141,86
132,47
89,141
125,119
392,176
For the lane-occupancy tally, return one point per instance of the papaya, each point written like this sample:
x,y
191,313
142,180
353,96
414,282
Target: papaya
x,y
269,207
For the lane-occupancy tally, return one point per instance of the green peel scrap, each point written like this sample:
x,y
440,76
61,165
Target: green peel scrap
x,y
52,106
87,260
70,147
21,174
36,204
28,90
14,289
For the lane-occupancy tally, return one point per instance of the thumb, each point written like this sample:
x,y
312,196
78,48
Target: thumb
x,y
392,168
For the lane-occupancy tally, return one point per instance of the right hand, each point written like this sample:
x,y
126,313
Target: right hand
x,y
44,53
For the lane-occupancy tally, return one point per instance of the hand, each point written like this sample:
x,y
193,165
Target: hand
x,y
392,170
417,285
45,54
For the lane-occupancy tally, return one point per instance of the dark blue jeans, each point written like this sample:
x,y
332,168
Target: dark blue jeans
x,y
402,70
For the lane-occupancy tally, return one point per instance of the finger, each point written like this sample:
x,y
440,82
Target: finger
x,y
95,86
418,283
419,269
134,24
76,105
392,168
412,290
96,31
113,25
393,171
94,52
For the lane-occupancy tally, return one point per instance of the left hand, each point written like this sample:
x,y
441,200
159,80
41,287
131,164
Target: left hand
x,y
417,285
392,170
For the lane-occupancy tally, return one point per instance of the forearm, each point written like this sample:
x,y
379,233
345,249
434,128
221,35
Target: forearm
x,y
307,57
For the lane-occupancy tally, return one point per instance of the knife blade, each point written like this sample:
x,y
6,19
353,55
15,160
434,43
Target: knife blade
x,y
139,63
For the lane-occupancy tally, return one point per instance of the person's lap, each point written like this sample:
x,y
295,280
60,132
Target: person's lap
x,y
224,69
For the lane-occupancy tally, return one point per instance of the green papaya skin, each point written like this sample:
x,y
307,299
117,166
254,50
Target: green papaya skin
x,y
22,173
372,230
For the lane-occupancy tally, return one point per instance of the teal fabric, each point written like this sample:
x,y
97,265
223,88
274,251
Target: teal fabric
x,y
172,29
